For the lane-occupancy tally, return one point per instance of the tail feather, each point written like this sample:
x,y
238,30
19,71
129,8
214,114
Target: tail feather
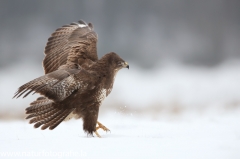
x,y
56,121
40,101
37,113
45,112
50,122
59,120
38,105
53,122
46,116
38,109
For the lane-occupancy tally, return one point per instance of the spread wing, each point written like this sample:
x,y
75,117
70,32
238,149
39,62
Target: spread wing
x,y
73,43
59,84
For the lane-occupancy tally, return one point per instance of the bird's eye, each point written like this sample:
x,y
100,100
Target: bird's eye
x,y
120,63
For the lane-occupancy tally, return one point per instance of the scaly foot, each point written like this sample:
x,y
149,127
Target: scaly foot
x,y
97,134
102,127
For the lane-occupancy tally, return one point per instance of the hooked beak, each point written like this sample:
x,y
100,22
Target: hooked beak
x,y
126,65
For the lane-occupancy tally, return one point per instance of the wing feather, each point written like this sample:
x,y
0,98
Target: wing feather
x,y
60,84
73,43
55,86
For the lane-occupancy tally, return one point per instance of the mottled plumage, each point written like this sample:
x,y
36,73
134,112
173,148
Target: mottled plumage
x,y
75,81
76,43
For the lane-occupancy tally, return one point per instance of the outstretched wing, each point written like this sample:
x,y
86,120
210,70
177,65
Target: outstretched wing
x,y
57,85
73,43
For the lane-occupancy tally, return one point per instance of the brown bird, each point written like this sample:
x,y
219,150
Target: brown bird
x,y
75,81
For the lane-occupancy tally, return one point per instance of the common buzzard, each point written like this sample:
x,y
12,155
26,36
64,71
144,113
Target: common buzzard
x,y
75,81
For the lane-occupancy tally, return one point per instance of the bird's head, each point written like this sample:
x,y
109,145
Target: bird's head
x,y
116,61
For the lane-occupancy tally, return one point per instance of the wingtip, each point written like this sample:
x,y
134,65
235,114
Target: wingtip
x,y
17,95
82,22
91,25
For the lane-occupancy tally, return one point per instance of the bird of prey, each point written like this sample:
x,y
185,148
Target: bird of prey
x,y
75,81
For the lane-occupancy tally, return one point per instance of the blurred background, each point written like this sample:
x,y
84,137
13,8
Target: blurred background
x,y
183,55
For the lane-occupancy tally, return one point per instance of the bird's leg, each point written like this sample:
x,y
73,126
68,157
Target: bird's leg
x,y
97,134
102,127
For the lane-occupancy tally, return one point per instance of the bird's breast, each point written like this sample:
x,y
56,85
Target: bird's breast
x,y
101,95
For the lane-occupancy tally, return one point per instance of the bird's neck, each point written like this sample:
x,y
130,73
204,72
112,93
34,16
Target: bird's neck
x,y
105,72
102,66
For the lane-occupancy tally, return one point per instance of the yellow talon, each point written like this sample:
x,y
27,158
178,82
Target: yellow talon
x,y
102,127
97,134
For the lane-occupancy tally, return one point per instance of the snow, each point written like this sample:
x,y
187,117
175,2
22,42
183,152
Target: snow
x,y
172,112
199,136
189,86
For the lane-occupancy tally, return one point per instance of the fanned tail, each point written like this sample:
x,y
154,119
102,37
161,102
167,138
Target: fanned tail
x,y
44,112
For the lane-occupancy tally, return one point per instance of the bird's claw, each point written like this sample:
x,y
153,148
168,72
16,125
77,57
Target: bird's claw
x,y
102,127
97,134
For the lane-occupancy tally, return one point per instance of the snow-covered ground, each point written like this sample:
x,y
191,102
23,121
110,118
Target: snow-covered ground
x,y
173,111
191,136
